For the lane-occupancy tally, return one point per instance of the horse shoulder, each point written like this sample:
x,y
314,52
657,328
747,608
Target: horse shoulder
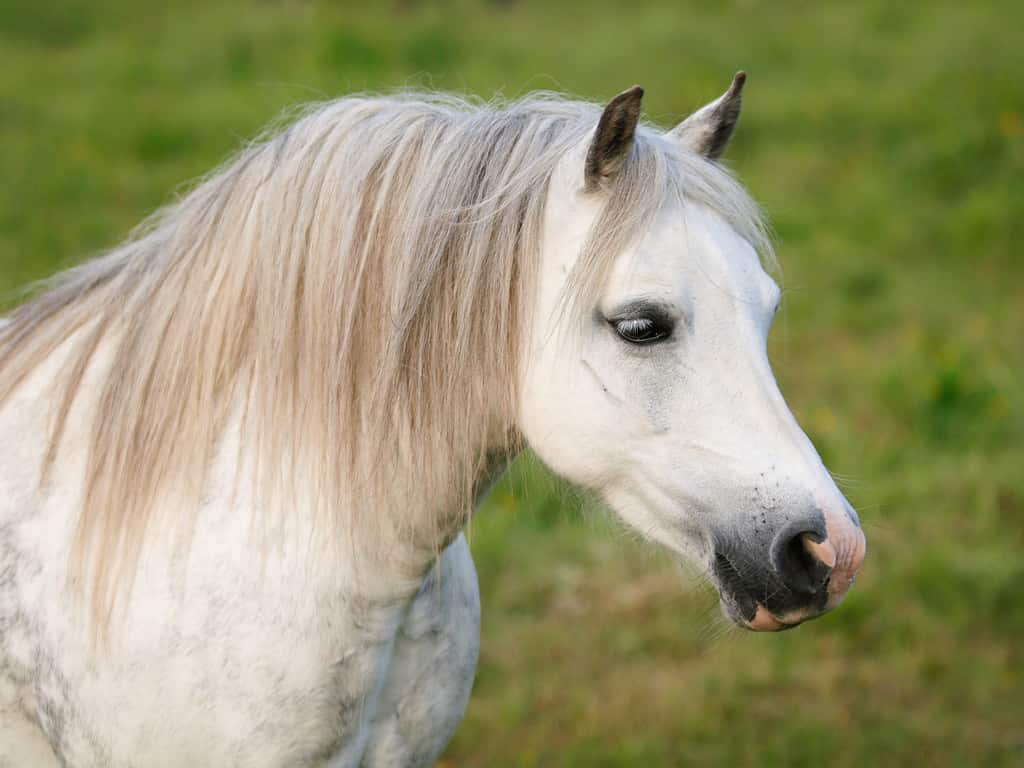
x,y
28,532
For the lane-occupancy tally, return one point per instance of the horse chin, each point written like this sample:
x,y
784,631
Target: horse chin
x,y
754,617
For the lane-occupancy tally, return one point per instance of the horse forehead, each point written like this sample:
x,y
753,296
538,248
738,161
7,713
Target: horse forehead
x,y
692,250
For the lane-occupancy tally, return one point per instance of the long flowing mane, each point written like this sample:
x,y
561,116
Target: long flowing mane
x,y
353,291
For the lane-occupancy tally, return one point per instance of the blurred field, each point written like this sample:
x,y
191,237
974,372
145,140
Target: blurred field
x,y
886,141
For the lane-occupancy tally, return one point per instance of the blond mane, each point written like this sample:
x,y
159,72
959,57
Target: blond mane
x,y
354,290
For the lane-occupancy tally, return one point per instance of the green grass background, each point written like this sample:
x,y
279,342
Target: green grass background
x,y
886,140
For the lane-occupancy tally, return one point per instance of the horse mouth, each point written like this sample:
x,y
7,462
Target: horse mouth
x,y
751,615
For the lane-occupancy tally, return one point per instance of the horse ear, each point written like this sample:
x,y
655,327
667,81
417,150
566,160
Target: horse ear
x,y
708,130
613,137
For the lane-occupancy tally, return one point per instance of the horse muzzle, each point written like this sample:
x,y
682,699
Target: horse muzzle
x,y
807,569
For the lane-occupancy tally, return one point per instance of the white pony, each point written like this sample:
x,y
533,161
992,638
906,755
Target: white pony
x,y
239,450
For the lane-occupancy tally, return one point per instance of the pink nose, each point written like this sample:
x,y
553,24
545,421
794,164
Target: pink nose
x,y
848,550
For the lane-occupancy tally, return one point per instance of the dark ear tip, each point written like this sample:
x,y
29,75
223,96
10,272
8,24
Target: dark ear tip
x,y
633,94
737,82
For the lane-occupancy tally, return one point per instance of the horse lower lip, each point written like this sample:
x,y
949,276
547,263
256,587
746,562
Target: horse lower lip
x,y
765,621
762,620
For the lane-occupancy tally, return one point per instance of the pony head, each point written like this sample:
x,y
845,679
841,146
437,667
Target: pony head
x,y
373,303
657,391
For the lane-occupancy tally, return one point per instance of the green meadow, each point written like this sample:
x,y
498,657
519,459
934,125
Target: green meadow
x,y
886,142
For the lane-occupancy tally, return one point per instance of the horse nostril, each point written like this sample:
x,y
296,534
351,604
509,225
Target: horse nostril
x,y
804,560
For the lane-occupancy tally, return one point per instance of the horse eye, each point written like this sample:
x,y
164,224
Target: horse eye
x,y
641,330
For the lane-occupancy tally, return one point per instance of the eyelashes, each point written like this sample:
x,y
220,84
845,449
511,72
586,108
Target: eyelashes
x,y
642,330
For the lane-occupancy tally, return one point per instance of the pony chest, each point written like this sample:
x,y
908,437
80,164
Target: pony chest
x,y
274,695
